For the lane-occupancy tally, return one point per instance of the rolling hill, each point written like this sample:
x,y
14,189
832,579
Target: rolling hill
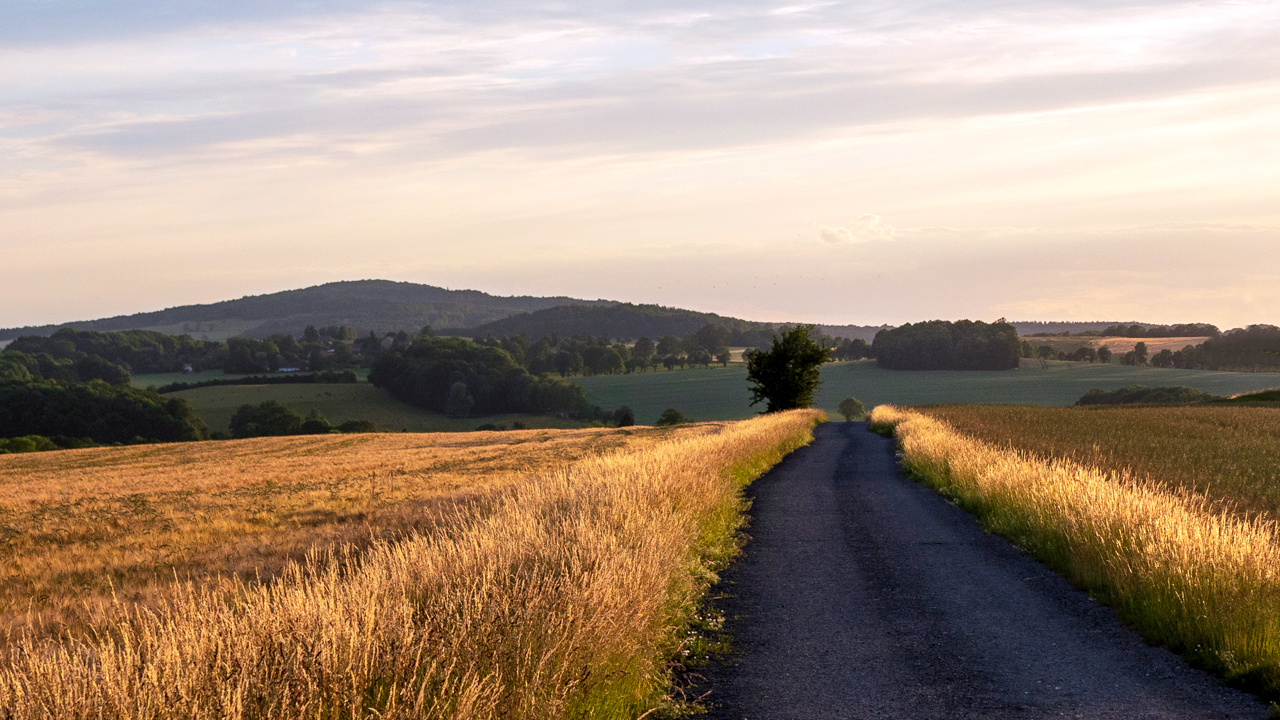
x,y
629,321
367,305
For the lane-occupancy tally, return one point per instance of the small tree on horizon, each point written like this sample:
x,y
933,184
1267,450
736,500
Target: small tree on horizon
x,y
786,375
851,408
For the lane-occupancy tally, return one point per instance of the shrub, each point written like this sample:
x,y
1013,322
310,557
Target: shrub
x,y
671,416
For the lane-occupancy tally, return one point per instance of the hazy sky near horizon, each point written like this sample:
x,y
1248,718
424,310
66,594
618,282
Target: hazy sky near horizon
x,y
836,162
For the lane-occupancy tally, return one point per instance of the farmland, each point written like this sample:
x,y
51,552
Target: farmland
x,y
721,393
1229,454
1166,514
475,575
82,524
1118,345
339,403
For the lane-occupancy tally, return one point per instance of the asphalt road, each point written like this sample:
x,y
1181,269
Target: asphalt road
x,y
862,594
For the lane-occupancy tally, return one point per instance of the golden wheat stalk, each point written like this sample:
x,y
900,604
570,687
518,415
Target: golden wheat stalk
x,y
564,600
1201,582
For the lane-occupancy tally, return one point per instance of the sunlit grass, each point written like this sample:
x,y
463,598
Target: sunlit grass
x,y
1228,454
1186,575
557,586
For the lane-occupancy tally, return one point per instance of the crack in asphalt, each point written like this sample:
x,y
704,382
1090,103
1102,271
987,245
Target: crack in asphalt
x,y
862,594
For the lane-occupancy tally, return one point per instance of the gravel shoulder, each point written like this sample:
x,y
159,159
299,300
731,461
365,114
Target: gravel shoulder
x,y
864,595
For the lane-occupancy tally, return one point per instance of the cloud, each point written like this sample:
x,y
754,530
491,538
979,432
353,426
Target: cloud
x,y
864,228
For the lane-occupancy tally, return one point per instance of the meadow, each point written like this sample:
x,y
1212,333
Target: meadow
x,y
526,574
1185,551
721,393
342,402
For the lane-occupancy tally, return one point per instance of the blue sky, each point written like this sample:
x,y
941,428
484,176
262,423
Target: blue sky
x,y
836,162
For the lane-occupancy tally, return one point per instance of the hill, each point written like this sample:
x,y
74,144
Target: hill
x,y
367,305
628,321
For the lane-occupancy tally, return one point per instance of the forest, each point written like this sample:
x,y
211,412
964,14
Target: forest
x,y
943,345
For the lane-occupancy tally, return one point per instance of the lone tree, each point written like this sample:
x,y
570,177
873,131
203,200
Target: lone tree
x,y
851,408
786,374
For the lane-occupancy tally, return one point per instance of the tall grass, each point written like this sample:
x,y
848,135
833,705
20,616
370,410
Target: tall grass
x,y
1202,583
562,601
80,528
1228,454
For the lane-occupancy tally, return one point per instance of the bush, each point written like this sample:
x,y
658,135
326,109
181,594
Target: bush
x,y
852,408
358,426
671,416
267,419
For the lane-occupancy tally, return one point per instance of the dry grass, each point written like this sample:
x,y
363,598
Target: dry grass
x,y
81,526
1230,455
1204,583
563,597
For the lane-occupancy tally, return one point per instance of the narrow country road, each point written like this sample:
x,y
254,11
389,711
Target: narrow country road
x,y
864,595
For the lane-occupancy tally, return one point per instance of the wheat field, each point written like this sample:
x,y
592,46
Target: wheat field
x,y
1229,455
533,574
1185,574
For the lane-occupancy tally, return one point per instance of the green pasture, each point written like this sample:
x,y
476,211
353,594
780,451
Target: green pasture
x,y
340,403
721,393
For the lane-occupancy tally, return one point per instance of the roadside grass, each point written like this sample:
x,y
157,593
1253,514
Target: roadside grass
x,y
1229,455
560,593
721,393
1185,575
342,402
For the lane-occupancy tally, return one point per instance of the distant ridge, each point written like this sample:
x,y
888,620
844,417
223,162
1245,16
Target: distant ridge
x,y
628,321
367,305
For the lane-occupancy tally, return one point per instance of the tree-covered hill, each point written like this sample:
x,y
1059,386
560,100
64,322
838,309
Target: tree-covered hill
x,y
628,321
366,305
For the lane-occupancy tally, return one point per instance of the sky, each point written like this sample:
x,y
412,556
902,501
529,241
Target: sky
x,y
834,162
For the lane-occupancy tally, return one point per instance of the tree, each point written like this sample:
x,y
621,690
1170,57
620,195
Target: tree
x,y
724,356
1140,352
643,350
459,402
851,408
671,416
786,375
1104,354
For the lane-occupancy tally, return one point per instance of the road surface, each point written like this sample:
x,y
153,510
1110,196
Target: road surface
x,y
865,595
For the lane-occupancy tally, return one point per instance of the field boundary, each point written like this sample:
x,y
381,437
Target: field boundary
x,y
1203,584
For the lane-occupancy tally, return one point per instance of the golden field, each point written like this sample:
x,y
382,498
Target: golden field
x,y
1230,455
524,574
1118,345
1174,565
82,526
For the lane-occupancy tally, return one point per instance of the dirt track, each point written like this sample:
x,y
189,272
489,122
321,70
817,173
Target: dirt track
x,y
865,595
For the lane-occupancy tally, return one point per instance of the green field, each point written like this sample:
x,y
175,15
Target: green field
x,y
721,393
342,402
159,379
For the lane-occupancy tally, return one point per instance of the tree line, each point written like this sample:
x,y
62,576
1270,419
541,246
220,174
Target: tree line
x,y
944,345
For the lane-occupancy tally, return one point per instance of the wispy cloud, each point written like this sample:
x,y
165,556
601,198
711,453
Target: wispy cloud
x,y
468,131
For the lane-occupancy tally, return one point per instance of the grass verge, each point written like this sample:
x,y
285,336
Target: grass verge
x,y
1202,583
565,598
